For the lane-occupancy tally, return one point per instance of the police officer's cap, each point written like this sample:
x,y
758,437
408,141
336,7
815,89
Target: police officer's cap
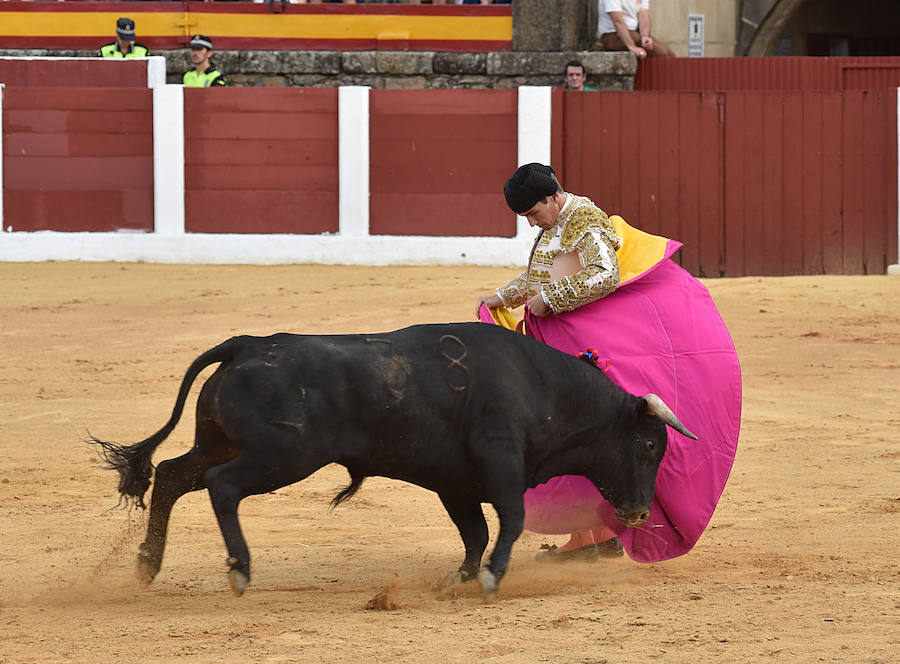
x,y
125,28
201,41
529,184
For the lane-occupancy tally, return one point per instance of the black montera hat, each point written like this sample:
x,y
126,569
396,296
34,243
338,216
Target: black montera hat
x,y
125,28
200,41
529,184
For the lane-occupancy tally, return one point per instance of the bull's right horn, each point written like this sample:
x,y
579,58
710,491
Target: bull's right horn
x,y
658,407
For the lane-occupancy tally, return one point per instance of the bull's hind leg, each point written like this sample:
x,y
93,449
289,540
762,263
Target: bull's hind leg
x,y
174,478
469,519
272,463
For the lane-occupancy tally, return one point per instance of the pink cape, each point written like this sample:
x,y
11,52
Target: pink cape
x,y
658,332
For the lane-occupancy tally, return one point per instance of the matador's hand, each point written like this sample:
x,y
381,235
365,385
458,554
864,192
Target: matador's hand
x,y
492,301
538,307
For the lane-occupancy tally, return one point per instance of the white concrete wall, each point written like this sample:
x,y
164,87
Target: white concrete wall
x,y
351,245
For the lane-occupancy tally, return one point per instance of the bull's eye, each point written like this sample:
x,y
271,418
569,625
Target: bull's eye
x,y
650,445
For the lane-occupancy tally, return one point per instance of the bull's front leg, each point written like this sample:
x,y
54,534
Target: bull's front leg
x,y
511,512
469,520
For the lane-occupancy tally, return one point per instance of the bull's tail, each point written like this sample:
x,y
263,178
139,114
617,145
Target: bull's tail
x,y
350,490
133,462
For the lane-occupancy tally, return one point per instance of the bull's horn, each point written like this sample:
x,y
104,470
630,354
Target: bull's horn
x,y
657,407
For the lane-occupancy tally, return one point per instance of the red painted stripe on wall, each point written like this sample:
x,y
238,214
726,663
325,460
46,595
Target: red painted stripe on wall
x,y
439,159
261,160
78,159
73,73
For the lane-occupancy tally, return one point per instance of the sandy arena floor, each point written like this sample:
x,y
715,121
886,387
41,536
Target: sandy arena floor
x,y
801,562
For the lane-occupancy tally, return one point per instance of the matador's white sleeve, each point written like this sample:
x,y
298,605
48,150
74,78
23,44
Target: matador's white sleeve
x,y
515,292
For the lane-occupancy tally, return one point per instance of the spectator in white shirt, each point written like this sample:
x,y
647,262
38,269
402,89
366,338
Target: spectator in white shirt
x,y
624,25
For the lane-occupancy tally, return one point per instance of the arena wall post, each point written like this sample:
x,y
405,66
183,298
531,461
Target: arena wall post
x,y
895,269
168,160
353,160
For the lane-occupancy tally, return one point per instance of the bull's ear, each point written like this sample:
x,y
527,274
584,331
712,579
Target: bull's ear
x,y
656,406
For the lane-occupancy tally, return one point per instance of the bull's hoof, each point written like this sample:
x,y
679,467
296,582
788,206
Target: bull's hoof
x,y
238,581
488,582
236,578
145,570
449,581
455,579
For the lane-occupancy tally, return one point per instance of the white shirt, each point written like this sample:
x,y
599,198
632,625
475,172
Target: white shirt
x,y
629,9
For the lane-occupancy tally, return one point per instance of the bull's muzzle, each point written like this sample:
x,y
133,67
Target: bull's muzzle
x,y
633,516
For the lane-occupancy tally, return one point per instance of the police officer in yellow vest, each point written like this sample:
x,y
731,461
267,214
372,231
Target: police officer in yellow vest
x,y
204,74
124,46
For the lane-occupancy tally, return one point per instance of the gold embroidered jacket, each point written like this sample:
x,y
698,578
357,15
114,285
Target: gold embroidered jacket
x,y
584,228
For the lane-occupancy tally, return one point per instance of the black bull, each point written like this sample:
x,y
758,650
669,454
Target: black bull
x,y
473,412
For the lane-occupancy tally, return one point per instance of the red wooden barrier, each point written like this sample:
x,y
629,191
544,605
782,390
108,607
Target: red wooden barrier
x,y
753,182
439,159
261,161
775,73
656,160
84,73
77,159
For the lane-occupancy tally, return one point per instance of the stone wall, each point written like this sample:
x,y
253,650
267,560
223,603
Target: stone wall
x,y
398,69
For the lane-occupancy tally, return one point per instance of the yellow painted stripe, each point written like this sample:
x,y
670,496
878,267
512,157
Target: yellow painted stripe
x,y
314,26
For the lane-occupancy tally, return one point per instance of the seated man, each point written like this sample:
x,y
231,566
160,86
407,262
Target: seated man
x,y
624,25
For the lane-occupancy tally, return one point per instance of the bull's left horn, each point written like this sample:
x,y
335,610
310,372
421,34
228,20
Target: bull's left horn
x,y
658,407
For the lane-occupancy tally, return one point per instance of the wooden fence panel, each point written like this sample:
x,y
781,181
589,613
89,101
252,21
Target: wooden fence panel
x,y
795,172
669,175
653,159
758,182
753,186
77,159
735,148
806,160
74,73
832,177
768,73
853,182
686,209
261,160
710,232
648,119
439,160
772,163
879,131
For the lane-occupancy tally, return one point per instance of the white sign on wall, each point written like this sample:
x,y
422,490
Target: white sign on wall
x,y
695,35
